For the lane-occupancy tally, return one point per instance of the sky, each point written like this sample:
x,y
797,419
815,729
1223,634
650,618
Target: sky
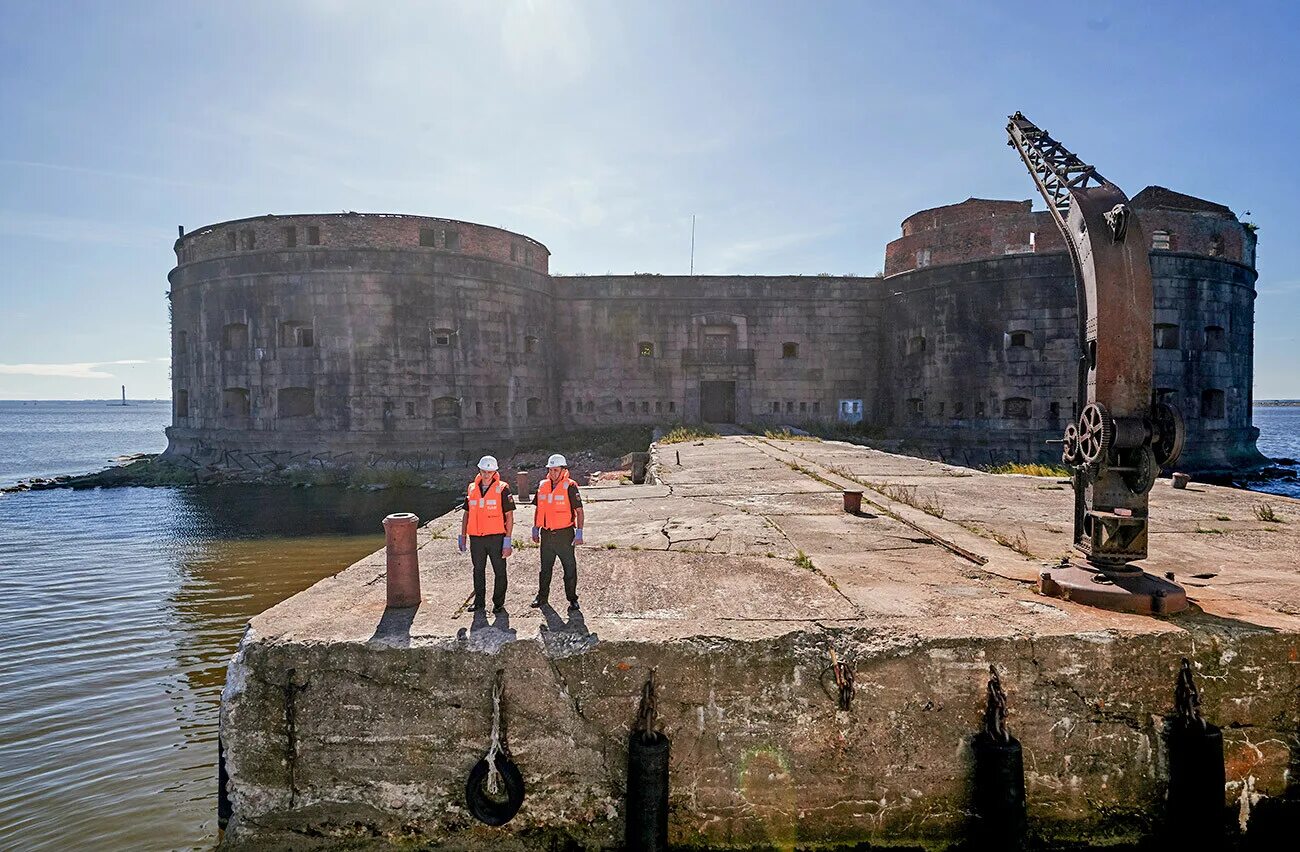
x,y
800,134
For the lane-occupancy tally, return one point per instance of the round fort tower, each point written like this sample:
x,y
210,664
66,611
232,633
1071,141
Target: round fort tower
x,y
356,338
981,299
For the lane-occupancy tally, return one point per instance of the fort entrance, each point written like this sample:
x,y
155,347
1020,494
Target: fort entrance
x,y
718,402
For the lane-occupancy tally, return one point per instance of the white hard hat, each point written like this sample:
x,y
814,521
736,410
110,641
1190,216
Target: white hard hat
x,y
488,463
556,460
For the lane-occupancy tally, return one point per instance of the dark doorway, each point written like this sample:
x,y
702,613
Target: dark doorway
x,y
718,402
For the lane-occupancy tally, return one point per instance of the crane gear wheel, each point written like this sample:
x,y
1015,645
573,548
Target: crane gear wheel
x,y
1145,470
1096,432
496,809
1070,445
1167,433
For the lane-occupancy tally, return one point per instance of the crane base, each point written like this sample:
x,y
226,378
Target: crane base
x,y
1126,590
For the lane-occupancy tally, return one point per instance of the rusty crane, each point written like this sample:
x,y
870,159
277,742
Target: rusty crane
x,y
1122,437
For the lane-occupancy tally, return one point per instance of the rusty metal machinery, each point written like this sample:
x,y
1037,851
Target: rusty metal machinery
x,y
1122,437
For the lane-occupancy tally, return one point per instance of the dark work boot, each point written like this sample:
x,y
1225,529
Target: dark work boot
x,y
477,606
573,605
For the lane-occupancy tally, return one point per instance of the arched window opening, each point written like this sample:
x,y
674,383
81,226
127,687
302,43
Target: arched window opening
x,y
295,333
1166,335
234,402
295,402
1216,338
234,337
1212,404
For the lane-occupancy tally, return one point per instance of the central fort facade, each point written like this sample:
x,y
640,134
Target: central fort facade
x,y
348,339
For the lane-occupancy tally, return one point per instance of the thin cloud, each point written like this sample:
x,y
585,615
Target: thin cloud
x,y
80,370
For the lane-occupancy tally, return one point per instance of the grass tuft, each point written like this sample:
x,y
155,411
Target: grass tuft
x,y
1265,512
682,434
1053,470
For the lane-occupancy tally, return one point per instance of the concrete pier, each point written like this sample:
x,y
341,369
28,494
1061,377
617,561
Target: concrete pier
x,y
734,578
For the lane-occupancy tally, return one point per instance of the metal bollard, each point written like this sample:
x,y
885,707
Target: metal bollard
x,y
403,560
523,486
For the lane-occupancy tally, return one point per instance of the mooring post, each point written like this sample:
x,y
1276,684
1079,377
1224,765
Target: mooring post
x,y
1196,771
647,778
403,560
999,790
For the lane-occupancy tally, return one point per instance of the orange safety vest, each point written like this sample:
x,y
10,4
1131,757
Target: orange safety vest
x,y
485,513
554,511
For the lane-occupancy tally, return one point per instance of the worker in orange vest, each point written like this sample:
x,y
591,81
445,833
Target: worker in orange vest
x,y
488,522
558,527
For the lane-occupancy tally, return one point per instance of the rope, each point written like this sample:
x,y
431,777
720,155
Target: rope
x,y
494,777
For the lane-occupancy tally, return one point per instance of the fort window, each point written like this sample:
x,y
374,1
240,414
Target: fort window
x,y
979,408
803,408
1216,339
958,409
234,336
290,236
1020,340
817,407
442,337
590,408
478,409
922,258
659,406
568,406
1216,245
776,407
248,239
295,334
295,402
530,344
618,406
916,345
915,407
496,409
446,410
1054,410
1016,407
1212,404
533,406
939,408
182,403
313,235
410,408
1162,241
789,350
451,240
232,241
182,342
646,349
672,406
789,407
1166,335
234,402
428,237
645,407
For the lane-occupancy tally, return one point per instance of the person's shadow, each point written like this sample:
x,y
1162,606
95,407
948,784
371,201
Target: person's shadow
x,y
562,638
485,636
394,627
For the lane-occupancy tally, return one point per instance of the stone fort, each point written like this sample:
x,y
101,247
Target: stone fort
x,y
363,338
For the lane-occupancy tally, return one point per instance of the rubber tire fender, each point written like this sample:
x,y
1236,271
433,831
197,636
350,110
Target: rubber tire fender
x,y
486,809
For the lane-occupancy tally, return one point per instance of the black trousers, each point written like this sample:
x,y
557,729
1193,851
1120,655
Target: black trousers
x,y
482,548
558,543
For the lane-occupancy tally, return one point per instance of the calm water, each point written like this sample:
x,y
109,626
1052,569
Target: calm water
x,y
1279,438
121,608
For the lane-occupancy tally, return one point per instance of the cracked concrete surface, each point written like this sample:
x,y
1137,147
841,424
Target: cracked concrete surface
x,y
705,583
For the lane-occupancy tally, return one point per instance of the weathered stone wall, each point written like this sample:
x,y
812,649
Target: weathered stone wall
x,y
382,338
380,347
793,346
981,341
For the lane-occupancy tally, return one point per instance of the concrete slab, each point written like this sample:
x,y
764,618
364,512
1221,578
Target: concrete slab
x,y
734,578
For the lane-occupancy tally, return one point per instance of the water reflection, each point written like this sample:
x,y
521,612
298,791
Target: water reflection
x,y
122,609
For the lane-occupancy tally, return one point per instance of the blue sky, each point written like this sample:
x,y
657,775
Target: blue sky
x,y
800,134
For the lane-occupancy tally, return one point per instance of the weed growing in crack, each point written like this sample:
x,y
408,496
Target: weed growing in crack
x,y
1265,512
803,561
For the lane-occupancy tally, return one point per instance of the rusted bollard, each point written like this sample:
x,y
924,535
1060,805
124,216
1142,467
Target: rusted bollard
x,y
403,560
523,486
853,502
